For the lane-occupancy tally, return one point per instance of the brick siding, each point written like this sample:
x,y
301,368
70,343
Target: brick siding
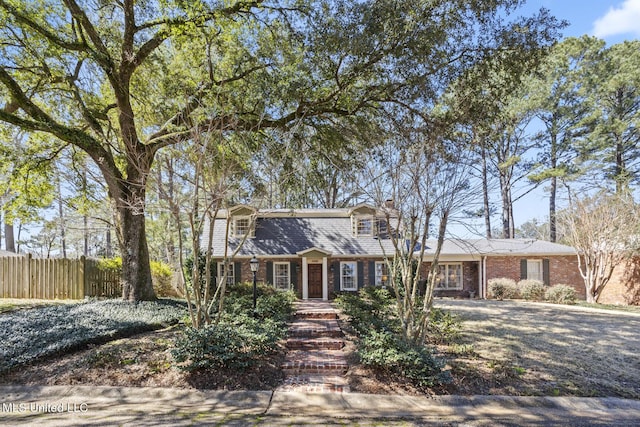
x,y
624,285
562,270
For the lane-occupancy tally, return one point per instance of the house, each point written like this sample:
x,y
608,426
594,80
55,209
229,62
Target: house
x,y
319,252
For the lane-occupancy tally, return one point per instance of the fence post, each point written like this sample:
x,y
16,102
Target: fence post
x,y
82,276
26,283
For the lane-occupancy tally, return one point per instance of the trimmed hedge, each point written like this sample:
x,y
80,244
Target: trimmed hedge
x,y
561,294
532,289
33,334
502,287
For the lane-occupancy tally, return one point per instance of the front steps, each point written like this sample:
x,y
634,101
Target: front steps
x,y
315,360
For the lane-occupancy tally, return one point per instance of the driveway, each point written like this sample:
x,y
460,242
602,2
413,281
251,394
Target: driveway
x,y
545,349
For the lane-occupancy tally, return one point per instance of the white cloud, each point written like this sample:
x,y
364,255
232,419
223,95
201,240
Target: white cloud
x,y
624,19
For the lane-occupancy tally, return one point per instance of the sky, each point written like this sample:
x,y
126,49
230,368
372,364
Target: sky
x,y
614,21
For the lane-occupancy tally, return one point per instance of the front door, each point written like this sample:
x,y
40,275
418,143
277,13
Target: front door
x,y
315,280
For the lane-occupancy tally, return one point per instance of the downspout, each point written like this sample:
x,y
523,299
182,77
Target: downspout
x,y
484,278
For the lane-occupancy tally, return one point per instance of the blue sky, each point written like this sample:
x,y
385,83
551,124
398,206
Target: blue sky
x,y
611,20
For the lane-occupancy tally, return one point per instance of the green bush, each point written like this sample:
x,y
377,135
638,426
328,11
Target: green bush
x,y
502,288
443,326
238,340
160,274
561,294
386,351
371,308
532,289
235,344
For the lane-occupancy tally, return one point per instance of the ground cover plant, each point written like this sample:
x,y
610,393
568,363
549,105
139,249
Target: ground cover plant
x,y
241,338
380,344
29,335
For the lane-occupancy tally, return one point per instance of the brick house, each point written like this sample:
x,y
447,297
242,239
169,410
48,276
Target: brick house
x,y
319,252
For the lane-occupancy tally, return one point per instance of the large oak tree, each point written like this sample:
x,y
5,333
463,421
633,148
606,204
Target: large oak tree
x,y
123,79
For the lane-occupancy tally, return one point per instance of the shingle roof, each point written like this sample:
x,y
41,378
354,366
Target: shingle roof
x,y
290,235
288,232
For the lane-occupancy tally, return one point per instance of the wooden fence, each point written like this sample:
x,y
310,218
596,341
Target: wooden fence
x,y
56,278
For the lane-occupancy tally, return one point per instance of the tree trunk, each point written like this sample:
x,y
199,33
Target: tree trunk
x,y
136,271
553,190
10,242
485,193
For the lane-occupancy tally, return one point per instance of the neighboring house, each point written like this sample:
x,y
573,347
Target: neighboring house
x,y
319,252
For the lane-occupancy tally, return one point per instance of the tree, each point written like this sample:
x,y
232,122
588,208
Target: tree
x,y
123,80
604,231
427,173
615,143
559,97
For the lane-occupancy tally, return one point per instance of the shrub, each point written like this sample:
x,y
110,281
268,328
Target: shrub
x,y
235,344
29,335
160,274
388,352
561,294
371,308
502,288
532,289
238,340
443,326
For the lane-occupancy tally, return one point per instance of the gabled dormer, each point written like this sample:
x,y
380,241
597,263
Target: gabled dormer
x,y
363,220
242,221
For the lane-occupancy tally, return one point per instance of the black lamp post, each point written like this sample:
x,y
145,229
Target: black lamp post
x,y
254,263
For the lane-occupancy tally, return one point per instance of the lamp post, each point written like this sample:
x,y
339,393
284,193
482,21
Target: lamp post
x,y
254,263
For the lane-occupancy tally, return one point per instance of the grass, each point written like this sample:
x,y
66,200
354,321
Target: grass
x,y
613,307
30,335
527,349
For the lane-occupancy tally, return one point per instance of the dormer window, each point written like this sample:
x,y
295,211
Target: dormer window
x,y
242,226
363,225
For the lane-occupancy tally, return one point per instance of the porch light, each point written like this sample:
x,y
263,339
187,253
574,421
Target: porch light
x,y
254,263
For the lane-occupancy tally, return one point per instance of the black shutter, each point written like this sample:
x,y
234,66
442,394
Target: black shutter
x,y
336,276
293,273
237,266
360,274
269,278
372,273
523,269
545,272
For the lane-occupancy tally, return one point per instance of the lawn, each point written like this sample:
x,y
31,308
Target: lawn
x,y
523,348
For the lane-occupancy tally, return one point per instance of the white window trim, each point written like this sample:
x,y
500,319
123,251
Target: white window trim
x,y
355,276
231,275
459,283
540,269
378,279
234,229
275,271
356,228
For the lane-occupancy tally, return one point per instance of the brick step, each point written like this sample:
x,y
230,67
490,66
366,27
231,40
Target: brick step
x,y
302,343
309,383
315,328
326,362
327,314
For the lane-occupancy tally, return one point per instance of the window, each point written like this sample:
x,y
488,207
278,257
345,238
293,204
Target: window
x,y
364,226
230,273
534,269
281,275
241,226
449,277
348,278
381,273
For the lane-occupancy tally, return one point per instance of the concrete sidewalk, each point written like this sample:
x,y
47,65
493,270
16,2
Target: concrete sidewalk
x,y
87,405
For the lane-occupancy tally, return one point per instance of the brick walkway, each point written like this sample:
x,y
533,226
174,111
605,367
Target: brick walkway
x,y
315,361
